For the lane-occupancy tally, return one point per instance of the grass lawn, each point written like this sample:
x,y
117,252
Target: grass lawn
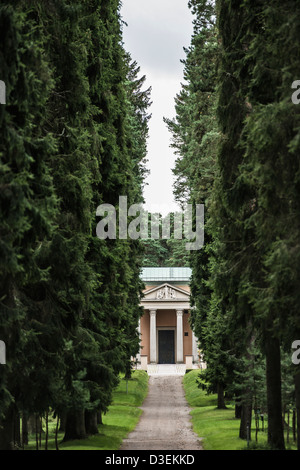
x,y
121,418
219,429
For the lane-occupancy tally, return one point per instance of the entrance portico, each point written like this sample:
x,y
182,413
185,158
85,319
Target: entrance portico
x,y
166,335
166,329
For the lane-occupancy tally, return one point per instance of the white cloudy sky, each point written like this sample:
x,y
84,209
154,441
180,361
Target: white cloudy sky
x,y
155,36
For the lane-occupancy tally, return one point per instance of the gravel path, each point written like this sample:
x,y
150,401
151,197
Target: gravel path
x,y
165,423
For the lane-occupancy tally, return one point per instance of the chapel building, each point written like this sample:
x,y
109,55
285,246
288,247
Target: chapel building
x,y
165,331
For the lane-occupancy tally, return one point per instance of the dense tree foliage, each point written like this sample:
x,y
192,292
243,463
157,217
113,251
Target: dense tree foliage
x,y
73,136
169,251
236,133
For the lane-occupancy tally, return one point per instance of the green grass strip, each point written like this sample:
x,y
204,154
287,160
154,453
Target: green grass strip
x,y
121,418
219,429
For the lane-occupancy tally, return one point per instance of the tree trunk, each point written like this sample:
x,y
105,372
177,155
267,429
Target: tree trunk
x,y
238,411
288,427
31,424
246,418
56,432
221,400
297,393
7,431
17,429
63,419
99,417
91,422
47,429
75,425
36,433
40,432
294,426
24,429
34,425
273,373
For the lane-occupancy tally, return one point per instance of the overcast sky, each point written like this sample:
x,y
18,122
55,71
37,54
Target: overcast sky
x,y
156,34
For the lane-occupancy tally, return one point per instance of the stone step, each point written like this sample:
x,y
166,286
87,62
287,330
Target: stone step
x,y
166,369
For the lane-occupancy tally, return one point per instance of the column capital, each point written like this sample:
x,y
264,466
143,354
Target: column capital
x,y
152,313
179,312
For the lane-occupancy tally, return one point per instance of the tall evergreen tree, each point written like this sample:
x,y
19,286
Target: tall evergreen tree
x,y
243,278
270,140
74,136
28,201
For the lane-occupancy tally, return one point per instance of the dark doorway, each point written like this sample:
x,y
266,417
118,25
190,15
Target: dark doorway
x,y
166,349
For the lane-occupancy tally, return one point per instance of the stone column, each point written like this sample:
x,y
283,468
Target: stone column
x,y
195,348
153,358
179,314
138,356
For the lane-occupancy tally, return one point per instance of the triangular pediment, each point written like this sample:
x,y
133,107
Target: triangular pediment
x,y
166,292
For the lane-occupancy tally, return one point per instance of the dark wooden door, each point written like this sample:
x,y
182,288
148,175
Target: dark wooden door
x,y
166,347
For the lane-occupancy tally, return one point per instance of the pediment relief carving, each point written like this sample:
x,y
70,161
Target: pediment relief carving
x,y
166,292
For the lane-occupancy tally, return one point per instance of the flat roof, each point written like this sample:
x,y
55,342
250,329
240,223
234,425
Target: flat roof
x,y
166,274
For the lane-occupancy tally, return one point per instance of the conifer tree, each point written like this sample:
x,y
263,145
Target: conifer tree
x,y
195,140
258,180
271,141
74,136
28,200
